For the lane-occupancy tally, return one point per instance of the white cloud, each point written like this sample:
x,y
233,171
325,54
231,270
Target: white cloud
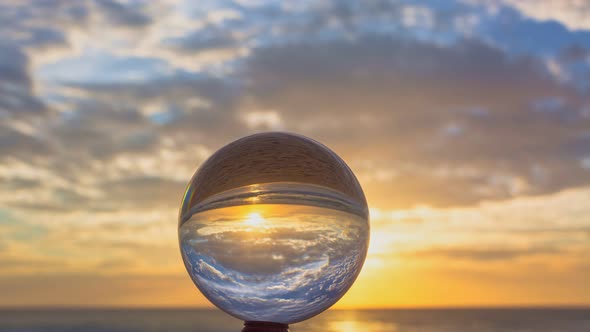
x,y
418,17
263,120
574,14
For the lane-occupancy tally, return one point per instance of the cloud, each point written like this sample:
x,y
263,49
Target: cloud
x,y
482,254
16,91
547,230
19,183
123,15
17,144
571,13
42,264
574,53
144,190
99,131
205,39
393,100
94,290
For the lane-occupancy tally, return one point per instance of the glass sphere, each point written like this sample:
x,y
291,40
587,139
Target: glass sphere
x,y
274,227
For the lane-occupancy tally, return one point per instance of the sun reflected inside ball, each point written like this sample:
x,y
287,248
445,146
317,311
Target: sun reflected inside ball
x,y
254,219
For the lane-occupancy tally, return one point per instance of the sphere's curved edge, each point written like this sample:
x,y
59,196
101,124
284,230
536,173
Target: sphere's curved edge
x,y
271,157
274,158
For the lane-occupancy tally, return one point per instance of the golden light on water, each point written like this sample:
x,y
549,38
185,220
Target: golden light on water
x,y
354,325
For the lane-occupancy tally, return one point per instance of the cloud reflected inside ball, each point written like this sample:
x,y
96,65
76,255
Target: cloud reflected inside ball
x,y
283,248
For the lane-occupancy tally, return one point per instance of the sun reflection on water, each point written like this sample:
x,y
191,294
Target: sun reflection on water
x,y
353,325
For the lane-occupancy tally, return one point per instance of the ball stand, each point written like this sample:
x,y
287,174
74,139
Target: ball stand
x,y
265,327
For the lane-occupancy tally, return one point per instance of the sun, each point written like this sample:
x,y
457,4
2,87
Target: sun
x,y
254,219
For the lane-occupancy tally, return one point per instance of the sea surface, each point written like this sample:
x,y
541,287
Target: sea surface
x,y
185,320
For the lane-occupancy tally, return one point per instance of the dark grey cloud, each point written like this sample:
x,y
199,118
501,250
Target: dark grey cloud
x,y
124,15
574,53
144,191
41,25
16,92
40,38
428,112
40,206
15,144
98,131
18,183
483,254
204,122
205,39
392,75
176,88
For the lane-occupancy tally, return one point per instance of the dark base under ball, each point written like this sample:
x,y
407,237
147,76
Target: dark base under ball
x,y
265,327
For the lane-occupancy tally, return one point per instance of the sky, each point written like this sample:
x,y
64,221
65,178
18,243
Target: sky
x,y
466,122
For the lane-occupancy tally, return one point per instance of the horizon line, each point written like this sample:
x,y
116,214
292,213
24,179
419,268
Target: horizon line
x,y
172,308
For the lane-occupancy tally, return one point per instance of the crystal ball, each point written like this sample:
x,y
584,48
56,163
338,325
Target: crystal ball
x,y
274,227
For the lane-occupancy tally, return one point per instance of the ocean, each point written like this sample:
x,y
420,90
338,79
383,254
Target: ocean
x,y
399,320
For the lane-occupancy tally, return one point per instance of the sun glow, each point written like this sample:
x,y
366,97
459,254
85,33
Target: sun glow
x,y
254,219
358,326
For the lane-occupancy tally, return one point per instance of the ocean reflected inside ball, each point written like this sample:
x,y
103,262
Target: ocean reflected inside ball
x,y
274,227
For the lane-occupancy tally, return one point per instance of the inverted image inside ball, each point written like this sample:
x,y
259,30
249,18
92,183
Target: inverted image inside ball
x,y
274,227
